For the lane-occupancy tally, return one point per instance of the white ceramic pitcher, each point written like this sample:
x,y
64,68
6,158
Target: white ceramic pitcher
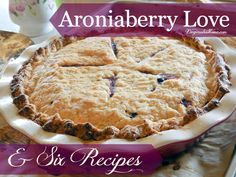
x,y
32,15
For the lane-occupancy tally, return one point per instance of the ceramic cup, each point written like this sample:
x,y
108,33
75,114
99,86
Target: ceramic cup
x,y
32,15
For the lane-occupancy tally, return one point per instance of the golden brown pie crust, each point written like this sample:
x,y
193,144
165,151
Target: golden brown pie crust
x,y
87,131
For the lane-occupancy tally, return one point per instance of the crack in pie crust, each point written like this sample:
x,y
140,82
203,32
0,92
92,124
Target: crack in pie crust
x,y
98,88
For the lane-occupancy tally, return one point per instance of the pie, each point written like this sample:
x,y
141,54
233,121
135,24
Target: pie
x,y
11,44
99,87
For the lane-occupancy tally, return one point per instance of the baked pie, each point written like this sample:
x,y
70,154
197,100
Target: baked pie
x,y
11,44
99,87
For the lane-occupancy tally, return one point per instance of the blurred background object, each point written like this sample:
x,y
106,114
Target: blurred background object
x,y
11,45
32,15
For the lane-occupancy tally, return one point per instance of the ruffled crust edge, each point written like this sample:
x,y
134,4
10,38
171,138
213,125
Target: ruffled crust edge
x,y
86,131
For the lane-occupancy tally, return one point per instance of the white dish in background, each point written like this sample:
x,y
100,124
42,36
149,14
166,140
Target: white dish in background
x,y
163,141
